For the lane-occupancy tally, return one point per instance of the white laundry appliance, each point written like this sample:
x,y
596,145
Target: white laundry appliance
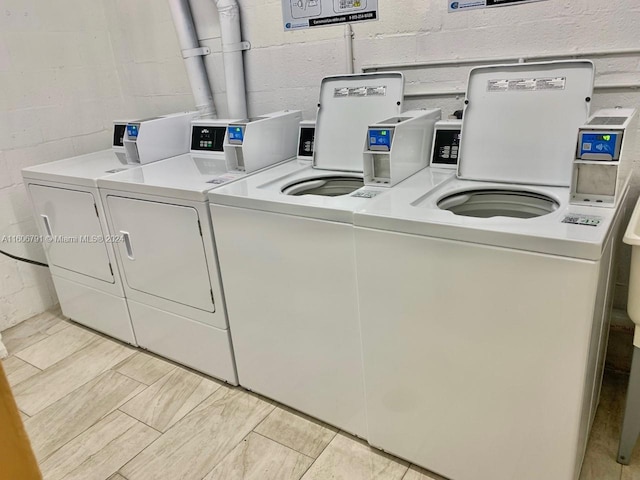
x,y
286,251
485,303
168,258
77,242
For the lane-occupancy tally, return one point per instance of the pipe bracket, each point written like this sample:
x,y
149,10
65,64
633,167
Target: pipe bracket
x,y
236,47
196,52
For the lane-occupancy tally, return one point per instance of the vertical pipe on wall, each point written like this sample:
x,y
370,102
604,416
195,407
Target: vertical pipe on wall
x,y
232,48
194,64
348,37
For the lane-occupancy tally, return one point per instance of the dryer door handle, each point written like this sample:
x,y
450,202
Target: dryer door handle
x,y
127,244
47,225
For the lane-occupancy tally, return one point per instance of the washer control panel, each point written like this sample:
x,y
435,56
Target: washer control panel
x,y
446,144
207,138
380,139
132,130
236,134
306,140
600,145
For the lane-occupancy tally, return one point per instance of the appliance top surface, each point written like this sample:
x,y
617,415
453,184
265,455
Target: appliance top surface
x,y
186,176
263,191
348,105
81,170
521,121
412,207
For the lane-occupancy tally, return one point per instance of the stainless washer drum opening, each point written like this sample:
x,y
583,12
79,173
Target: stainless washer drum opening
x,y
325,186
499,203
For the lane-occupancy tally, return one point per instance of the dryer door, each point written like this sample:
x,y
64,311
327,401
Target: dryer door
x,y
71,218
163,251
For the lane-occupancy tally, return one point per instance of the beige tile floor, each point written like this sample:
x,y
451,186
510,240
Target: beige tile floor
x,y
96,409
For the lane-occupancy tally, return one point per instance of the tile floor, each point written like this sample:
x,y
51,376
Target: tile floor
x,y
96,409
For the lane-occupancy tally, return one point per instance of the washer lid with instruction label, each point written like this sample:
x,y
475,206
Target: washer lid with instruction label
x,y
348,105
521,121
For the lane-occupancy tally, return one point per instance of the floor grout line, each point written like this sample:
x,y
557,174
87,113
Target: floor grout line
x,y
228,453
90,426
320,454
136,380
31,364
75,389
161,433
140,421
283,445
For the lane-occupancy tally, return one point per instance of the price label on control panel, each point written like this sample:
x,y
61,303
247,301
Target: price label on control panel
x,y
582,220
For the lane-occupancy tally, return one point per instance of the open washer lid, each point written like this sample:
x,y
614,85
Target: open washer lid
x,y
348,105
521,121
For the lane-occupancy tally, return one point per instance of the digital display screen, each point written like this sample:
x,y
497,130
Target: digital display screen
x,y
600,144
208,139
118,135
380,139
236,134
132,131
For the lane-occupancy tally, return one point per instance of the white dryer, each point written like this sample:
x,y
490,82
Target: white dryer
x,y
65,200
484,304
70,217
168,258
286,250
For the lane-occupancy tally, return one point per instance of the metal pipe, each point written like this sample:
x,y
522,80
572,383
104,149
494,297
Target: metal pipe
x,y
348,37
232,48
188,39
498,60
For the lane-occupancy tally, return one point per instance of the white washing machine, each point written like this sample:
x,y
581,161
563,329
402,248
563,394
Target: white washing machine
x,y
484,304
286,251
167,257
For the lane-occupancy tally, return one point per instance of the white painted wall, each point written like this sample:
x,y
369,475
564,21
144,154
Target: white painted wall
x,y
67,68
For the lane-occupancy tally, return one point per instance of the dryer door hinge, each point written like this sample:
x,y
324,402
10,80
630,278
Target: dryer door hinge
x,y
200,227
96,209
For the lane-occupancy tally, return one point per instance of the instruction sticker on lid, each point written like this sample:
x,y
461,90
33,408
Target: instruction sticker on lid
x,y
346,92
526,84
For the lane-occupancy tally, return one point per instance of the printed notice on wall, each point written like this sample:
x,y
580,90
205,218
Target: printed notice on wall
x,y
301,14
462,5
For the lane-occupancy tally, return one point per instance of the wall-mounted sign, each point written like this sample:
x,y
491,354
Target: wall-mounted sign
x,y
461,5
300,14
